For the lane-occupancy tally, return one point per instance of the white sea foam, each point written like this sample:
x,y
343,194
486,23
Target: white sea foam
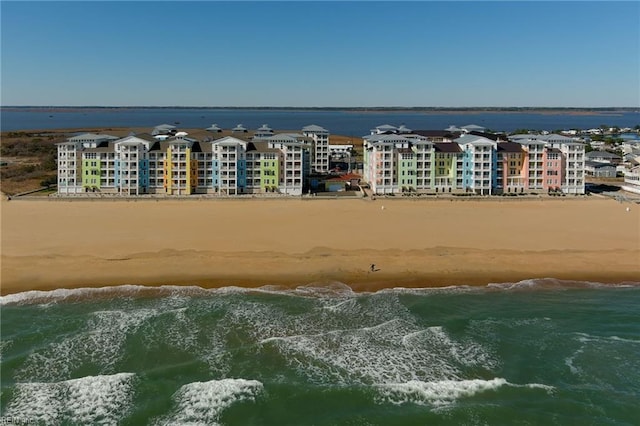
x,y
621,352
180,328
4,345
584,337
557,284
390,352
570,362
331,289
65,294
335,289
443,392
202,403
100,344
100,400
421,291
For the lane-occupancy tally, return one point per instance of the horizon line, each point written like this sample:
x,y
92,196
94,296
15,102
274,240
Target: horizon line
x,y
324,107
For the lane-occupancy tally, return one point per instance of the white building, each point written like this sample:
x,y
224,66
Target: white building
x,y
293,161
228,158
320,148
131,169
632,180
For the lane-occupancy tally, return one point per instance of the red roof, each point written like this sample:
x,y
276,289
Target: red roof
x,y
350,176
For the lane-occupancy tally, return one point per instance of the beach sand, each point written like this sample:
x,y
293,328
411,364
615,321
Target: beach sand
x,y
49,244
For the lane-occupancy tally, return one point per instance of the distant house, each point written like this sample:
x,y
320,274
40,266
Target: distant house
x,y
437,135
263,131
385,129
599,169
214,128
472,128
630,145
603,157
163,129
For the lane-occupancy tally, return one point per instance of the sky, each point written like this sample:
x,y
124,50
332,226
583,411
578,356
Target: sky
x,y
320,54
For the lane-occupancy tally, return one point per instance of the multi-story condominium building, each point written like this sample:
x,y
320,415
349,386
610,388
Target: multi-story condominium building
x,y
70,162
120,165
381,160
396,163
320,147
442,161
131,165
269,163
448,168
511,173
294,161
553,169
229,165
534,163
571,156
396,160
180,165
479,166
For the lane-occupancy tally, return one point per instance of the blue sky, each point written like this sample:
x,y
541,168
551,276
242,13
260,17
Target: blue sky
x,y
330,53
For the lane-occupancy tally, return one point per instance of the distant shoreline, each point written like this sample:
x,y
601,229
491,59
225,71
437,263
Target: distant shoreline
x,y
422,110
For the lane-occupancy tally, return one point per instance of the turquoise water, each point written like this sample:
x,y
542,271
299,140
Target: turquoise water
x,y
538,352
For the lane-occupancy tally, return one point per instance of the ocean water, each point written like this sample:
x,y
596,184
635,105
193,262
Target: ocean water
x,y
537,352
349,123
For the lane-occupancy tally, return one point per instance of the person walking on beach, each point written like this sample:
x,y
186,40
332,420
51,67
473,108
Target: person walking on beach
x,y
373,267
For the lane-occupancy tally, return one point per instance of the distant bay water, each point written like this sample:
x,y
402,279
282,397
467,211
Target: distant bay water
x,y
344,122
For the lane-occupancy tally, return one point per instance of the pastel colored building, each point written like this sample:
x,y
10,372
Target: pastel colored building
x,y
381,161
398,163
553,169
70,162
511,173
572,157
396,160
479,163
468,160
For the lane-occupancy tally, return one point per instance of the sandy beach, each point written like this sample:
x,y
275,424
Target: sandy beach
x,y
49,244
